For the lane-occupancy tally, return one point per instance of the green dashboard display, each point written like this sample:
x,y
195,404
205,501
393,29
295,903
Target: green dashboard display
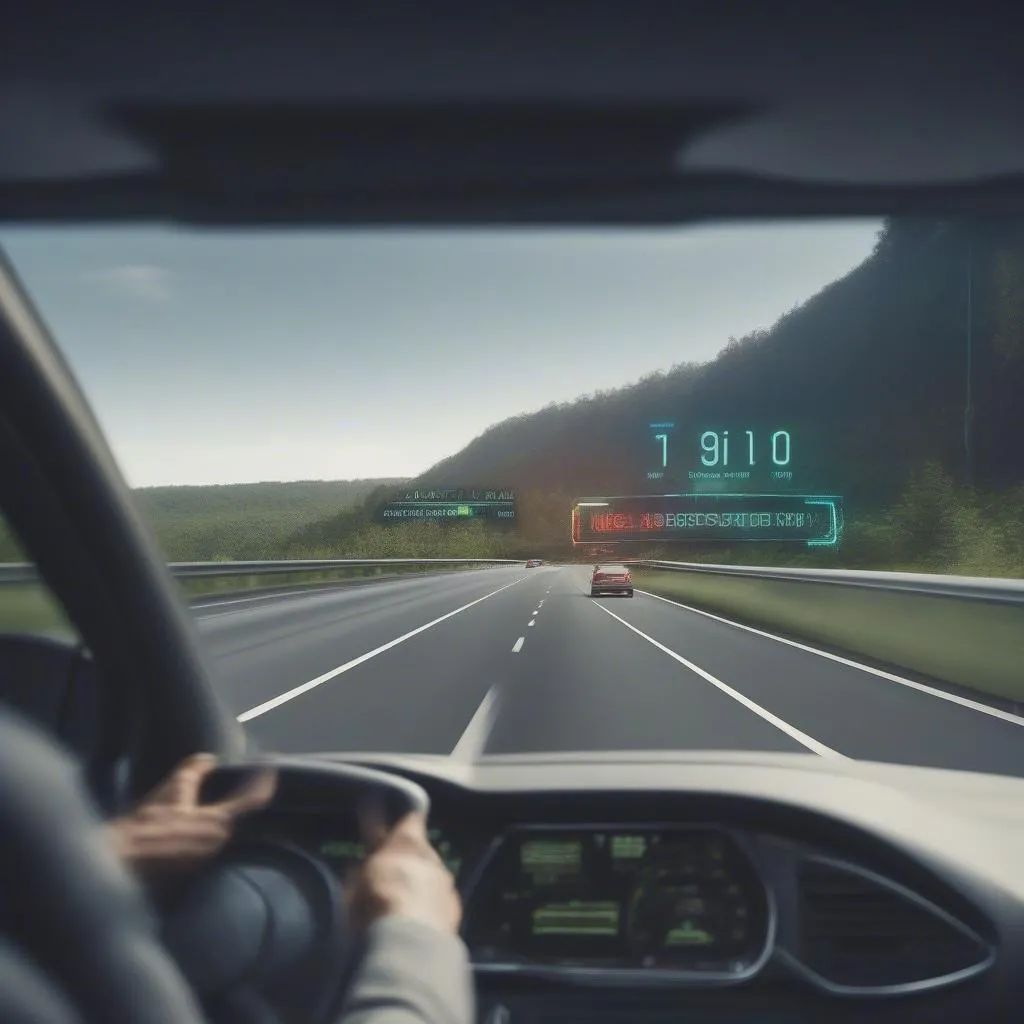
x,y
344,853
646,899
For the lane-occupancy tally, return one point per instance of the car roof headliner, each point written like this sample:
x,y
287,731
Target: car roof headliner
x,y
642,111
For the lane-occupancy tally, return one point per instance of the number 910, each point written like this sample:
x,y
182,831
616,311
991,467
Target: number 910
x,y
715,448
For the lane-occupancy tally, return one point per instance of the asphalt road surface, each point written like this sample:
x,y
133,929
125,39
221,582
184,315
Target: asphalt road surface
x,y
524,660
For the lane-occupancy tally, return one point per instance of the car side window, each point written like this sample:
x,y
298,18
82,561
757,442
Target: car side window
x,y
27,606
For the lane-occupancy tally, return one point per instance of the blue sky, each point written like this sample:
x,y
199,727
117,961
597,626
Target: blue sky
x,y
217,357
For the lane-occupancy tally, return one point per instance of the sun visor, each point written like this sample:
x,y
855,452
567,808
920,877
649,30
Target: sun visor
x,y
452,163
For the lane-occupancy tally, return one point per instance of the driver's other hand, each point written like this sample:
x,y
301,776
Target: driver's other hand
x,y
171,830
403,875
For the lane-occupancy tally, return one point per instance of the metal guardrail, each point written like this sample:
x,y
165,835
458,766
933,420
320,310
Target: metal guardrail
x,y
23,572
18,572
974,588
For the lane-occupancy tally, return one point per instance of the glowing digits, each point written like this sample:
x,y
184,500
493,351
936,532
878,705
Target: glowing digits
x,y
714,448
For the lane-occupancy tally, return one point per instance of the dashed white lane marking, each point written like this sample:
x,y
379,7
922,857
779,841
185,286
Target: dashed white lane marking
x,y
519,645
474,738
297,691
531,622
790,730
965,702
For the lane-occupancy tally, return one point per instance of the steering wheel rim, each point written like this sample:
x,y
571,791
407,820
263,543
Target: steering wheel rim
x,y
399,795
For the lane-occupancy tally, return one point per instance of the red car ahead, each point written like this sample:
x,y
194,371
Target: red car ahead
x,y
611,579
533,563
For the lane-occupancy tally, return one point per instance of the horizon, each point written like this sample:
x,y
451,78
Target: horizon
x,y
259,483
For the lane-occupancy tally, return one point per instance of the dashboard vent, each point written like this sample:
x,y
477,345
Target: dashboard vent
x,y
860,932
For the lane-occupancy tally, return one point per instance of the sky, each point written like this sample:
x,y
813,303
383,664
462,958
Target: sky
x,y
231,357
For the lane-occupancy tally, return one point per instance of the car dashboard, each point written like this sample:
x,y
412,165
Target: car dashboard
x,y
633,902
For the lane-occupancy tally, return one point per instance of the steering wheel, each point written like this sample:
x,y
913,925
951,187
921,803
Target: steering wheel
x,y
264,924
79,940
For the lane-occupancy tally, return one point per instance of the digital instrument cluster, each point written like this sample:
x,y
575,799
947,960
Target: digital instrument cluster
x,y
645,899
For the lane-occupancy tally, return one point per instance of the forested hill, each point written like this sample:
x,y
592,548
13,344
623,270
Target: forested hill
x,y
236,521
244,520
869,377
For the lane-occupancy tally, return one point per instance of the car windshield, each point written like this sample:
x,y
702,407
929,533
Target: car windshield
x,y
801,440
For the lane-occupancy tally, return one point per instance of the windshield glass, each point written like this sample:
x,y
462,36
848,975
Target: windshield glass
x,y
744,424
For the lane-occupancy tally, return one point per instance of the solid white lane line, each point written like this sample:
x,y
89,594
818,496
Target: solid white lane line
x,y
276,702
281,595
519,645
964,702
473,740
790,730
300,592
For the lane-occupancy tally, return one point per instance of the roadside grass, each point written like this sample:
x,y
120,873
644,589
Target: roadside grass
x,y
28,608
978,645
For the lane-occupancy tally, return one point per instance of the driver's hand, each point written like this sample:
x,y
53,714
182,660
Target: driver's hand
x,y
403,875
171,830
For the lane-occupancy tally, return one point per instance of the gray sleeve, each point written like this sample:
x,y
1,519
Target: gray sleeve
x,y
412,974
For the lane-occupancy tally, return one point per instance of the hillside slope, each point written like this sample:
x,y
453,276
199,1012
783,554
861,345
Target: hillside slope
x,y
868,377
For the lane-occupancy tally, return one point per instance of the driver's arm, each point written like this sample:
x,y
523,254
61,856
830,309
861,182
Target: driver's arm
x,y
412,974
416,969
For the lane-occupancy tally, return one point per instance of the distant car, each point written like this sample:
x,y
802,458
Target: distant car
x,y
533,563
611,579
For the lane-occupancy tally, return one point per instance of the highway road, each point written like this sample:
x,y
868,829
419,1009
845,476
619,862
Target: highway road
x,y
516,660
